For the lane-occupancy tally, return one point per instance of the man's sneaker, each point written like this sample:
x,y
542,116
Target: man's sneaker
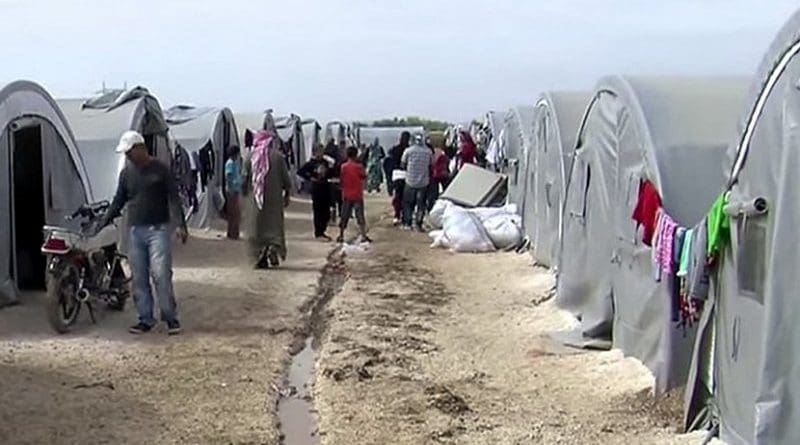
x,y
140,328
272,255
396,222
420,228
366,239
407,228
173,327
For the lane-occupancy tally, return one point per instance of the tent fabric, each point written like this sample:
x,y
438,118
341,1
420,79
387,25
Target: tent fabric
x,y
67,183
518,136
555,123
673,132
196,129
388,137
97,132
746,355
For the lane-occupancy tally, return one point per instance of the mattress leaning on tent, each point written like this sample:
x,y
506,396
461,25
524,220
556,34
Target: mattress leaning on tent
x,y
97,124
46,179
556,117
206,134
745,371
672,132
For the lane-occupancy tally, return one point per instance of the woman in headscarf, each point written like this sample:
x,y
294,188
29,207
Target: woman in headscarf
x,y
467,150
267,182
398,187
375,155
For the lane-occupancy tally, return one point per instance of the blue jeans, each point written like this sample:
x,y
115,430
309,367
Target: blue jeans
x,y
151,258
414,198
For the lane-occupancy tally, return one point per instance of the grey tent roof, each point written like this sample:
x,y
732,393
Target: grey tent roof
x,y
388,137
673,132
248,121
555,123
97,133
749,337
24,103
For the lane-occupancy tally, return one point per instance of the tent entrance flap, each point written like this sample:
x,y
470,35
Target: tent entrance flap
x,y
28,213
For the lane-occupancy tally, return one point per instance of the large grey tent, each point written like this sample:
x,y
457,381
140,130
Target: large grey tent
x,y
206,134
672,132
388,137
98,123
518,136
746,370
555,123
340,131
44,180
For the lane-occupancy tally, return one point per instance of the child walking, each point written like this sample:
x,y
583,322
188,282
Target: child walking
x,y
353,176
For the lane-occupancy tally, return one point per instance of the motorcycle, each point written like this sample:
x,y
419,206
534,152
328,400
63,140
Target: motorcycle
x,y
84,268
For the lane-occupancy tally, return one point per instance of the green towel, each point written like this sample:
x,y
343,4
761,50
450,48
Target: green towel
x,y
719,226
686,253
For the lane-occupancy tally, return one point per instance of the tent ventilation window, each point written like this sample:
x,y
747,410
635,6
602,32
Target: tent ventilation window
x,y
586,192
750,258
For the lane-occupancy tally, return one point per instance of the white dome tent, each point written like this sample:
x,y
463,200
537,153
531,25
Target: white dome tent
x,y
745,372
555,124
97,124
206,133
47,180
672,132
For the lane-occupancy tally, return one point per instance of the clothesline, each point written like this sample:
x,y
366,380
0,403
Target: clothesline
x,y
681,256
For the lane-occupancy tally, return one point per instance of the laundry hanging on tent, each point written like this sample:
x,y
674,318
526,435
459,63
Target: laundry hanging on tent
x,y
664,245
646,209
719,227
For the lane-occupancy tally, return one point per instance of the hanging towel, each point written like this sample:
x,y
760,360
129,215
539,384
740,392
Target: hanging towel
x,y
718,226
665,254
686,253
674,280
698,277
656,245
646,210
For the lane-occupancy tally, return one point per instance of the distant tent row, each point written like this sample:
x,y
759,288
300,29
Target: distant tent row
x,y
387,137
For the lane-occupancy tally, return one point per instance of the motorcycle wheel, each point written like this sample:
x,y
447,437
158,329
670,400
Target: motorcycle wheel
x,y
63,306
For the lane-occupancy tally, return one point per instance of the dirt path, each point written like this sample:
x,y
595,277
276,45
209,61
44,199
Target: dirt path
x,y
428,347
212,385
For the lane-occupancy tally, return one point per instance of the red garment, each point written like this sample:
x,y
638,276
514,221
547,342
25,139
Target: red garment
x,y
352,179
645,212
441,165
468,149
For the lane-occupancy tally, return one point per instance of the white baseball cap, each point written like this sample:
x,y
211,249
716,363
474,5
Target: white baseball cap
x,y
128,140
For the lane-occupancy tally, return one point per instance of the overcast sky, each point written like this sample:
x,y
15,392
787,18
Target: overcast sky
x,y
450,59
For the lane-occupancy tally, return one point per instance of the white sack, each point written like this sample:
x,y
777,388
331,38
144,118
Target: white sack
x,y
505,230
463,232
437,213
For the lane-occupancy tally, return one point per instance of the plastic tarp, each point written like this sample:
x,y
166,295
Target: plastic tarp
x,y
194,129
556,119
474,187
747,353
672,132
66,186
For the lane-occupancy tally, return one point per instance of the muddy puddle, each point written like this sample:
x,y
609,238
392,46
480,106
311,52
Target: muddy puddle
x,y
296,407
296,414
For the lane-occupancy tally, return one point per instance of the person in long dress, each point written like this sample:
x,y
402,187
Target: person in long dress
x,y
375,155
267,184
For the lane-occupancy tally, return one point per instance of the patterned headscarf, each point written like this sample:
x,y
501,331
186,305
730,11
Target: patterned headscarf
x,y
262,141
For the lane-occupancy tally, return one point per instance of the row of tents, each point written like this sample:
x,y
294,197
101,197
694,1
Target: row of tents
x,y
575,163
56,155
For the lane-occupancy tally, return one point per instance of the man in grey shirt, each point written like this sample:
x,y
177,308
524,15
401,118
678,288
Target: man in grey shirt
x,y
417,160
147,187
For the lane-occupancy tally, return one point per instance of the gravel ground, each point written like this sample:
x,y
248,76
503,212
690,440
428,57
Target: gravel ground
x,y
427,347
211,385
